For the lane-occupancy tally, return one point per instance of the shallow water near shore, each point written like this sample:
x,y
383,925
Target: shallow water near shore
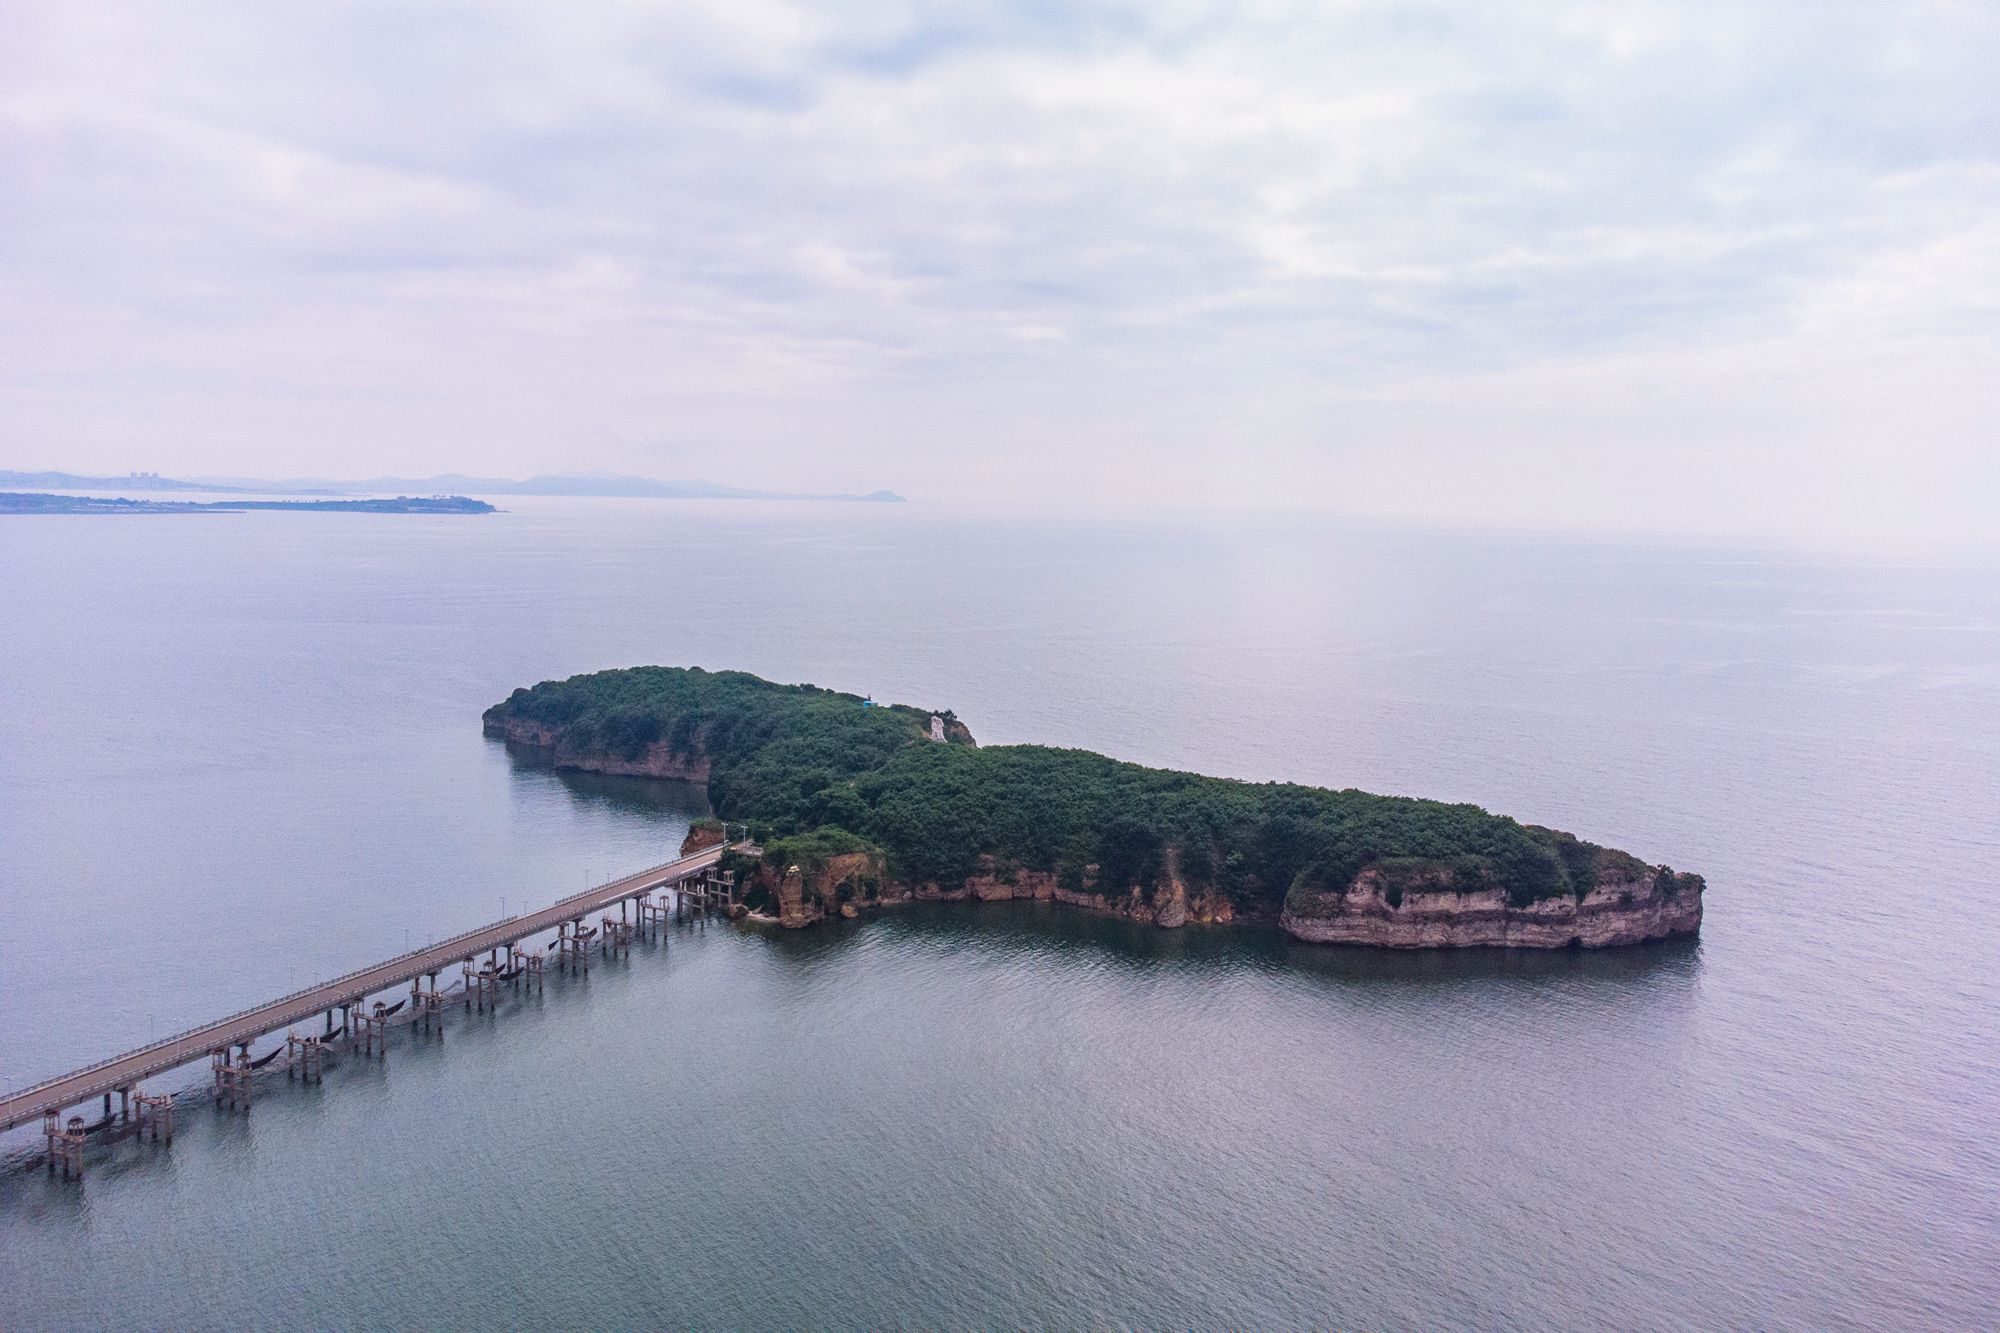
x,y
239,754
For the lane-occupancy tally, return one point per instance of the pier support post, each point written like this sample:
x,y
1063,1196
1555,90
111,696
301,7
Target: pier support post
x,y
524,968
429,1006
305,1058
617,935
373,1031
65,1142
573,947
232,1080
482,987
156,1117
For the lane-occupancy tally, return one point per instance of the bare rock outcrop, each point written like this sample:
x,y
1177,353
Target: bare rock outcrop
x,y
702,835
841,886
795,908
1398,905
1426,907
657,760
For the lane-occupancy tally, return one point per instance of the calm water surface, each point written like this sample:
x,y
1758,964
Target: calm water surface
x,y
238,752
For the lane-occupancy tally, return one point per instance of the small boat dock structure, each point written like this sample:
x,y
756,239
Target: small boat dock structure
x,y
691,884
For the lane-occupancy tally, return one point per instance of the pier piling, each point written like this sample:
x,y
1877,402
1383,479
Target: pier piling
x,y
657,896
305,1058
232,1080
65,1142
155,1117
374,1031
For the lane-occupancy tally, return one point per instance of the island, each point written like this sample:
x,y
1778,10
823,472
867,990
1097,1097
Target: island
x,y
15,502
854,805
581,486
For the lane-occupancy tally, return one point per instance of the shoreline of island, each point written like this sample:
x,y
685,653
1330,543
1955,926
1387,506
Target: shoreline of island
x,y
858,805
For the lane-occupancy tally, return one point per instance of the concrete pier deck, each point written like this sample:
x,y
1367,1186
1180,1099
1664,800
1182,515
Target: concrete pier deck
x,y
127,1070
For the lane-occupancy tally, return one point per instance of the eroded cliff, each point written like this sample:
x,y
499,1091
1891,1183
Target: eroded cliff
x,y
656,759
1419,906
1398,907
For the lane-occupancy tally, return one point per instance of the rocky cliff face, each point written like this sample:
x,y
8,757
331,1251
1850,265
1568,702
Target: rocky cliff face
x,y
657,761
849,884
794,909
1399,908
701,837
1428,909
841,887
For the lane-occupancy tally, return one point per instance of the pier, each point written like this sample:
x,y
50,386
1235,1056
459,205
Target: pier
x,y
343,1000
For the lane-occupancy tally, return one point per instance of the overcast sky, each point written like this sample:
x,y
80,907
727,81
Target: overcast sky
x,y
1717,268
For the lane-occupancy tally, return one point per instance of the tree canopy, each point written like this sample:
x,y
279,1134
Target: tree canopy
x,y
828,772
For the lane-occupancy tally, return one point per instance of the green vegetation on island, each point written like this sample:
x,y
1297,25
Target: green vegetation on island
x,y
817,774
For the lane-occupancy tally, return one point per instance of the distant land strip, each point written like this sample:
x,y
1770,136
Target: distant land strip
x,y
448,483
15,502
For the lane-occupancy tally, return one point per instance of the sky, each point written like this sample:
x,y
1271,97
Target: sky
x,y
1712,269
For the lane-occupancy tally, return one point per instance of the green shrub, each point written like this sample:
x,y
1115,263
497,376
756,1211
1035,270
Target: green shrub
x,y
814,774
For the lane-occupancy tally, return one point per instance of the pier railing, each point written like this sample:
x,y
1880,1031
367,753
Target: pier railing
x,y
334,983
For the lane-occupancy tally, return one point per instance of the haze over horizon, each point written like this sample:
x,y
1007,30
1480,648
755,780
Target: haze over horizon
x,y
1722,271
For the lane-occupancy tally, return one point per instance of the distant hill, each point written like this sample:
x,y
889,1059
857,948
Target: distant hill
x,y
449,483
20,503
70,481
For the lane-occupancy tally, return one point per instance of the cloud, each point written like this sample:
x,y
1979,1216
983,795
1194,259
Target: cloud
x,y
1164,252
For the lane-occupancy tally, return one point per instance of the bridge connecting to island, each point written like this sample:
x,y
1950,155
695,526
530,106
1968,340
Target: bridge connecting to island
x,y
693,887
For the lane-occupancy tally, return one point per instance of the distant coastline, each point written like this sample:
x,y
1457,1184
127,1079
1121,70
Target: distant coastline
x,y
14,502
447,483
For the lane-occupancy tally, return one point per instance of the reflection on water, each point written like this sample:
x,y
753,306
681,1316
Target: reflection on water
x,y
819,1124
1057,931
534,770
237,756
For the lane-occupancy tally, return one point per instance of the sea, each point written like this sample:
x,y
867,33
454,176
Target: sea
x,y
241,752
